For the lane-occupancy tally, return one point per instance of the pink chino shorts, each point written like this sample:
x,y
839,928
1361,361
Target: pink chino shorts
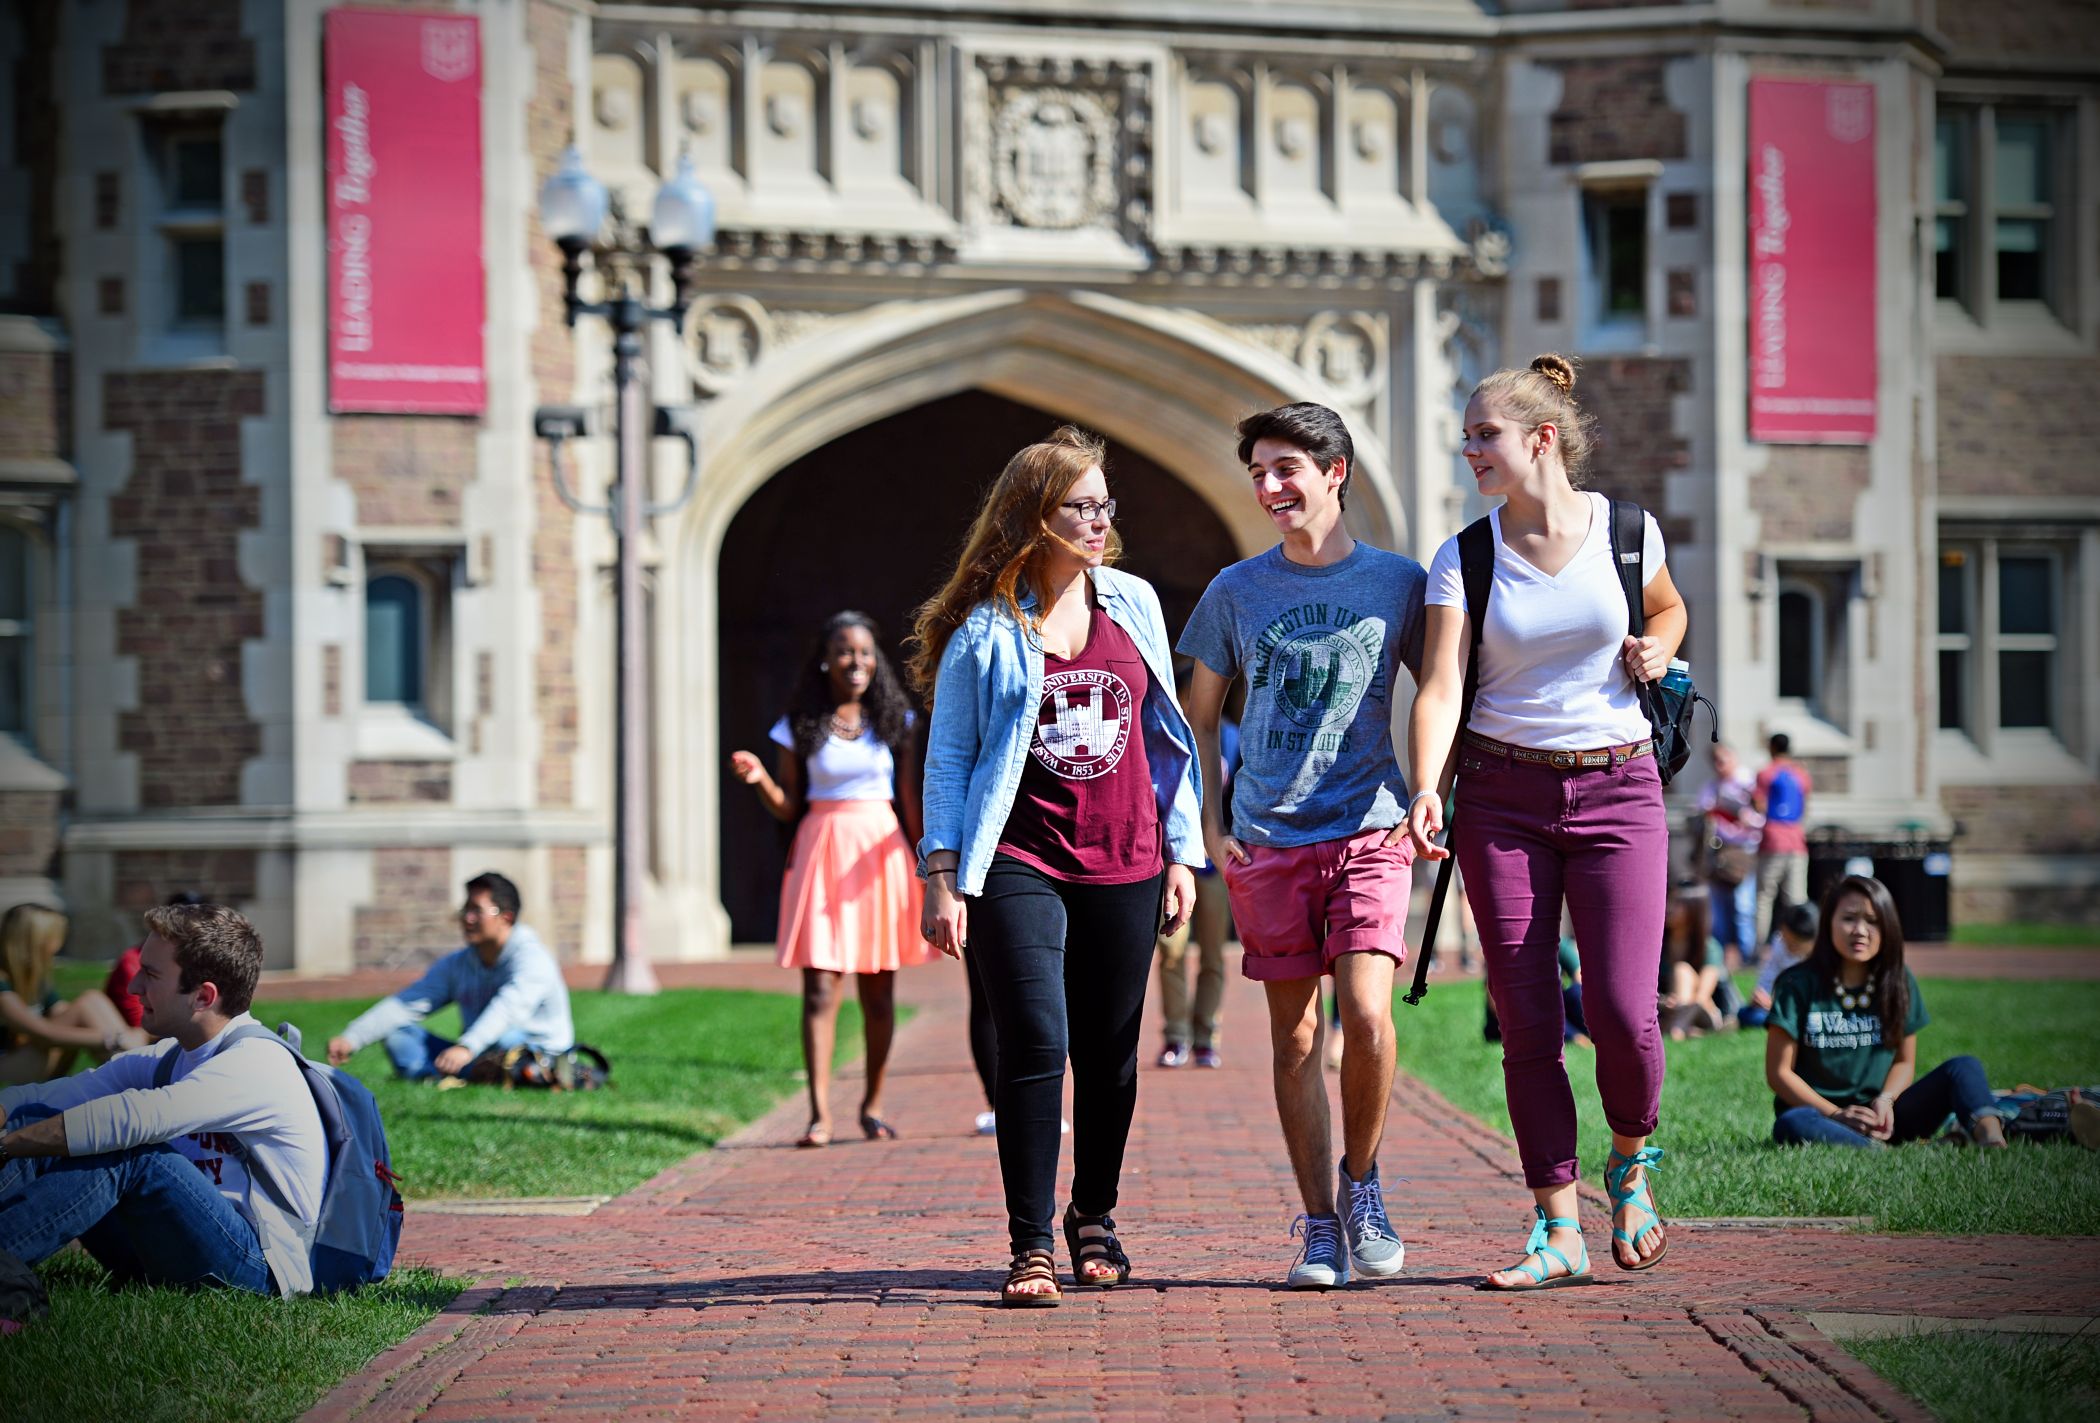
x,y
1301,907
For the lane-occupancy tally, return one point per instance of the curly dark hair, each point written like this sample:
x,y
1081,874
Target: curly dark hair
x,y
884,705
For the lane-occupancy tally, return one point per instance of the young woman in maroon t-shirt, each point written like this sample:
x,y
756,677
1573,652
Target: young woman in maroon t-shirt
x,y
1058,787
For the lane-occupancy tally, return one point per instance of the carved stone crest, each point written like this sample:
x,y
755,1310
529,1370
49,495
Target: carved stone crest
x,y
725,336
1053,158
1347,350
1057,156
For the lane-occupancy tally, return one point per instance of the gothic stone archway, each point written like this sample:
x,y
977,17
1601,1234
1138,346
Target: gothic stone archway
x,y
869,521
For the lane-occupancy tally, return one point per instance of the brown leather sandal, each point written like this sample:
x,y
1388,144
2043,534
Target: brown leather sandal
x,y
1031,1267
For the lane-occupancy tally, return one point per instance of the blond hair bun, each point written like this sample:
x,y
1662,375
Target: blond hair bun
x,y
1558,369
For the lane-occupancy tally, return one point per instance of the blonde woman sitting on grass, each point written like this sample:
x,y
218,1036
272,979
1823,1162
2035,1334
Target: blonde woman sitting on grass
x,y
40,1032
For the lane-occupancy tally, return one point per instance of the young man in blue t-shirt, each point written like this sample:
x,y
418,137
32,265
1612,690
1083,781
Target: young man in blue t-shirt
x,y
1317,860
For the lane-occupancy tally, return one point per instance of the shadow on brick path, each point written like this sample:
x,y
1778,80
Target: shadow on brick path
x,y
856,1282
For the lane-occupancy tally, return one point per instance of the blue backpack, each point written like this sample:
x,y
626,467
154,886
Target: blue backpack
x,y
1784,801
358,1227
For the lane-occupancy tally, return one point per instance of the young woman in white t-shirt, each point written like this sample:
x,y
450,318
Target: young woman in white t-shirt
x,y
850,900
1560,797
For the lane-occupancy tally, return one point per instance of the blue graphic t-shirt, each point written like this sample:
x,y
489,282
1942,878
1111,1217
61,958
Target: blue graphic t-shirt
x,y
1319,648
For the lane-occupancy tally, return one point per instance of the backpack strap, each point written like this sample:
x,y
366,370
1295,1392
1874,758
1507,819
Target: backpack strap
x,y
1629,554
1476,567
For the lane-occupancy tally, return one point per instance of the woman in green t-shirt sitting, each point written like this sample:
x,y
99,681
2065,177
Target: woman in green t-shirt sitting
x,y
1841,1046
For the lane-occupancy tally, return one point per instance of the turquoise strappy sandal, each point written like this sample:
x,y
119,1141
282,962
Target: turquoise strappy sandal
x,y
1640,1198
1536,1245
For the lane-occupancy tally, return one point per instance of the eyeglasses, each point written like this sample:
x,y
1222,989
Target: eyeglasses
x,y
1089,510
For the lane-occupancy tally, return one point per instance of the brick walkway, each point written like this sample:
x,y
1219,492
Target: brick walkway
x,y
856,1283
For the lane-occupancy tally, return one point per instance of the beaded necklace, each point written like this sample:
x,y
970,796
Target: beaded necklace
x,y
1854,1000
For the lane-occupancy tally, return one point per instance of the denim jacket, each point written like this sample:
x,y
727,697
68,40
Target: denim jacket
x,y
984,705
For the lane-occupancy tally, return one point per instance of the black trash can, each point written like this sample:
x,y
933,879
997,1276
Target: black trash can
x,y
1915,869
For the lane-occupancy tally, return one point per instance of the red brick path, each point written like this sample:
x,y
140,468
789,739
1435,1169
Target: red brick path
x,y
857,1282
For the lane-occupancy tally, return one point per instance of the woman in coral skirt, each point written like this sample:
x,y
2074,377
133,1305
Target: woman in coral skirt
x,y
850,901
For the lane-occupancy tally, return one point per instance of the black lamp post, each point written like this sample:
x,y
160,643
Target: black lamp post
x,y
573,210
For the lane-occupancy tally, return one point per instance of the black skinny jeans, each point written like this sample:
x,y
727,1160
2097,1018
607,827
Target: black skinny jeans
x,y
984,1036
1064,966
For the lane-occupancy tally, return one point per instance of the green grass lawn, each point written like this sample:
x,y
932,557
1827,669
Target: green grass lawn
x,y
1990,1378
150,1355
2029,936
1717,1116
689,1066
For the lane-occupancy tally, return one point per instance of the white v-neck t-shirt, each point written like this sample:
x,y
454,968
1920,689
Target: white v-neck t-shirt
x,y
1551,677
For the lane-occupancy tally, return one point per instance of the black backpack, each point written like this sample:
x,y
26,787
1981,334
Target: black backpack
x,y
1669,712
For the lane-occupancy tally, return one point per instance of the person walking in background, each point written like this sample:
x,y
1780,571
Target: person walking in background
x,y
849,902
1732,832
1192,1027
1061,823
1561,799
40,1032
1841,1045
1782,793
1315,856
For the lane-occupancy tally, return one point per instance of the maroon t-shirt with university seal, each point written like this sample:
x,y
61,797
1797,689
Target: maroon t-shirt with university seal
x,y
1085,808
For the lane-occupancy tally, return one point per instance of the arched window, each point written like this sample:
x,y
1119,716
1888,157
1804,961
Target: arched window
x,y
17,642
394,640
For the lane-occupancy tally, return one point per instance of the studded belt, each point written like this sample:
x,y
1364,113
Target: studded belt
x,y
1563,760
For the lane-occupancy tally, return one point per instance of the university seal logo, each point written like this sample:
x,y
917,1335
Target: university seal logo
x,y
1319,677
448,50
1083,723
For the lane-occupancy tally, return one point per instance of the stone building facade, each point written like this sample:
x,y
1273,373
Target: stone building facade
x,y
943,231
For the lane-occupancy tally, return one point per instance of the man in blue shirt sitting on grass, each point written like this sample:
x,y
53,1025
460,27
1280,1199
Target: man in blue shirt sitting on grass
x,y
508,987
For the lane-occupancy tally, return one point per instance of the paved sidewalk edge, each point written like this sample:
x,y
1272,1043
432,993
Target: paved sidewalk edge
x,y
406,1379
1801,1332
1818,1376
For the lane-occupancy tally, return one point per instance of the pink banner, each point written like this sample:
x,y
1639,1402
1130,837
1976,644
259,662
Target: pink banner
x,y
1811,262
405,296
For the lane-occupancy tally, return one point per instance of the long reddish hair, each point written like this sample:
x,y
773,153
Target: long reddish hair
x,y
1006,544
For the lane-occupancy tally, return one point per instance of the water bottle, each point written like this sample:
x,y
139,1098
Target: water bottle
x,y
1677,681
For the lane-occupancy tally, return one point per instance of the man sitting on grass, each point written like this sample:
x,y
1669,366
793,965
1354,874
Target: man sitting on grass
x,y
508,987
166,1185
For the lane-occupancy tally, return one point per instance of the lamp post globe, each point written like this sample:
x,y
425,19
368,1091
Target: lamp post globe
x,y
572,204
682,221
